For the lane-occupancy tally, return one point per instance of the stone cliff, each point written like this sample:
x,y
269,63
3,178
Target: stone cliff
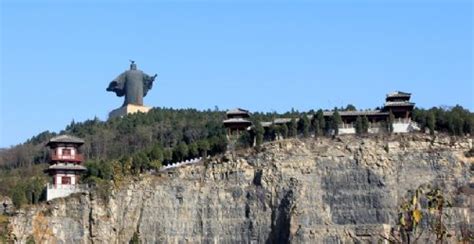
x,y
293,191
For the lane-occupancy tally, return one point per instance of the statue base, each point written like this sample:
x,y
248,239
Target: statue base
x,y
129,109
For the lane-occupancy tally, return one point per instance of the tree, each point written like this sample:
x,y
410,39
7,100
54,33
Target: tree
x,y
156,153
350,107
391,119
319,123
218,144
358,125
245,140
293,130
193,150
303,125
203,146
140,163
258,133
34,189
272,132
284,130
180,152
336,121
18,195
430,122
365,124
167,155
316,127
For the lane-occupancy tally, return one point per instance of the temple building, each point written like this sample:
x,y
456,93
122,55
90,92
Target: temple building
x,y
237,121
65,166
399,104
396,103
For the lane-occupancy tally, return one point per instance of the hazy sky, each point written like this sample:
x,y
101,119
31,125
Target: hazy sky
x,y
57,58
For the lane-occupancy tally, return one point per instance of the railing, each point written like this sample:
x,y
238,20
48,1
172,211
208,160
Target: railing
x,y
175,165
69,158
352,125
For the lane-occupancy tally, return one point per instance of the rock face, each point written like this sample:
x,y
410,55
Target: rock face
x,y
313,191
6,206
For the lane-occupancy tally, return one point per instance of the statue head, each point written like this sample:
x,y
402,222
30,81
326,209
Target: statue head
x,y
133,66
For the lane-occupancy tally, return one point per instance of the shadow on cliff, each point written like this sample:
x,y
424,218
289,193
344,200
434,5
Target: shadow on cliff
x,y
281,218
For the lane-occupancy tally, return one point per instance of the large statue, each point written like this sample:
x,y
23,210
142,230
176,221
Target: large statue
x,y
133,84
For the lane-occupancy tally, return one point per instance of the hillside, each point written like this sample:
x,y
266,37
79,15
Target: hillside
x,y
143,142
292,191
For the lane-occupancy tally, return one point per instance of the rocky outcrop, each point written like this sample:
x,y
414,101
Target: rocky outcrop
x,y
6,206
312,191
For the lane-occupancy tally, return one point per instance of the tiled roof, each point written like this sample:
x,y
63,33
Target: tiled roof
x,y
66,139
356,113
399,94
237,111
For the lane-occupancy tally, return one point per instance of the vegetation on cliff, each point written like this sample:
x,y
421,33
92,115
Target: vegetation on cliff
x,y
142,142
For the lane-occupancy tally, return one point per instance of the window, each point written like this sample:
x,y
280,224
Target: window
x,y
66,152
66,180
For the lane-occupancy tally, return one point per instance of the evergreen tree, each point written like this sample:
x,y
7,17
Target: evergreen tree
x,y
193,150
321,121
259,131
156,153
430,122
18,196
358,125
391,119
303,125
350,107
336,121
245,140
140,163
167,155
180,152
204,147
316,127
272,132
365,124
284,130
293,130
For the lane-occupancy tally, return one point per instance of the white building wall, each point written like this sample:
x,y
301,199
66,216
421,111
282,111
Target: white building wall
x,y
401,127
58,191
345,131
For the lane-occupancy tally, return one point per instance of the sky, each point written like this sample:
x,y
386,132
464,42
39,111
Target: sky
x,y
58,57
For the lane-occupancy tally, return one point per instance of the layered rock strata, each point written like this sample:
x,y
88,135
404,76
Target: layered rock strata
x,y
340,190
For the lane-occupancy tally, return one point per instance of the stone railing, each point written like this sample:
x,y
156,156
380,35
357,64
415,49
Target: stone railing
x,y
179,164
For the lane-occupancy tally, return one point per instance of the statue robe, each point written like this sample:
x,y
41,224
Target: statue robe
x,y
133,84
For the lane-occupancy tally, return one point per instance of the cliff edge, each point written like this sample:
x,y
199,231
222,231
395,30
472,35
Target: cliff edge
x,y
346,189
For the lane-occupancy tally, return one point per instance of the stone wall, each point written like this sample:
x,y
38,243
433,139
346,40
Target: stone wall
x,y
342,190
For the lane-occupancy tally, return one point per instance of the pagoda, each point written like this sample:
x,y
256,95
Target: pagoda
x,y
237,121
399,104
65,166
